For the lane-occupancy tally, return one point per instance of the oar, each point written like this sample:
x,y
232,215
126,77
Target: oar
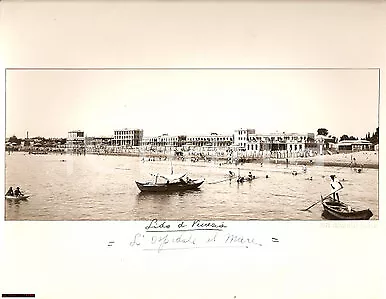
x,y
222,180
321,200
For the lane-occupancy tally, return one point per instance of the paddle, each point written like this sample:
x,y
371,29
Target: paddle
x,y
222,180
321,199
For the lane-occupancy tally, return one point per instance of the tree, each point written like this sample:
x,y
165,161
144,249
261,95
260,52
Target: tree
x,y
374,139
15,140
323,131
344,137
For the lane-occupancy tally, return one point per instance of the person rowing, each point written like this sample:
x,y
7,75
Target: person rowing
x,y
18,192
9,192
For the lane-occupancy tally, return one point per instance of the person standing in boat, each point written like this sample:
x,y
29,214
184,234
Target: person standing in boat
x,y
9,192
335,185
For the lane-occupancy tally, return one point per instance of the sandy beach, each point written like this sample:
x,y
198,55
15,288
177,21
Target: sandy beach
x,y
366,159
363,159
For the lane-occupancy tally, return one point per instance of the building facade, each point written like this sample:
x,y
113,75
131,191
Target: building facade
x,y
75,142
282,145
98,144
243,143
355,145
127,137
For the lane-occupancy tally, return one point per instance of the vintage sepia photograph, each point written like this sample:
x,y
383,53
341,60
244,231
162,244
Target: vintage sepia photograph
x,y
192,143
192,149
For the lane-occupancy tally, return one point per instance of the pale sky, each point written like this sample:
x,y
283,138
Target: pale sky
x,y
191,34
51,103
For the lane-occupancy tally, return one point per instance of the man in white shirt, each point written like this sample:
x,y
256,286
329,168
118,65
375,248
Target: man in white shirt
x,y
335,185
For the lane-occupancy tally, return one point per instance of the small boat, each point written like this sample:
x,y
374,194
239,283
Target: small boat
x,y
338,210
170,183
243,179
20,197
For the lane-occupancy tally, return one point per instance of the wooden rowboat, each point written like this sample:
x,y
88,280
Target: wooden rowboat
x,y
164,187
21,197
176,183
338,210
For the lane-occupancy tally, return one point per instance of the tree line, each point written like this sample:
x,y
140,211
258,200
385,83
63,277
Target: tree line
x,y
42,141
373,138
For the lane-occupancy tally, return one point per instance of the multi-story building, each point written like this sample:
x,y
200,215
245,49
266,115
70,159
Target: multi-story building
x,y
76,142
212,140
98,144
196,143
248,143
164,140
127,137
244,142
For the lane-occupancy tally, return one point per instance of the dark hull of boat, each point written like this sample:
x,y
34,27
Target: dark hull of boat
x,y
245,179
340,211
171,187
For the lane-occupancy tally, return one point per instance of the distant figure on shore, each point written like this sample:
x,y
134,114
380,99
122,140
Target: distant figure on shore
x,y
304,168
309,179
231,173
335,185
266,176
286,162
353,163
294,172
250,176
9,192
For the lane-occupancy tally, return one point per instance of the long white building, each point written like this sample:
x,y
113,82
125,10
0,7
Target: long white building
x,y
244,142
285,144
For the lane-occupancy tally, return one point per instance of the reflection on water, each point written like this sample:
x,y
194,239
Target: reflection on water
x,y
97,187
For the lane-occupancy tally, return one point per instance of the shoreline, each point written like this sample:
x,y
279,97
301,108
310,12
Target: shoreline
x,y
363,159
336,160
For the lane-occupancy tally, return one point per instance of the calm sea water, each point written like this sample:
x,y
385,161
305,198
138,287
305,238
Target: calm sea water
x,y
93,187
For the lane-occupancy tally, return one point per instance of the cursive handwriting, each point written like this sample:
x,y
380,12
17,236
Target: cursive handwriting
x,y
162,226
199,224
162,235
239,239
191,240
154,224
